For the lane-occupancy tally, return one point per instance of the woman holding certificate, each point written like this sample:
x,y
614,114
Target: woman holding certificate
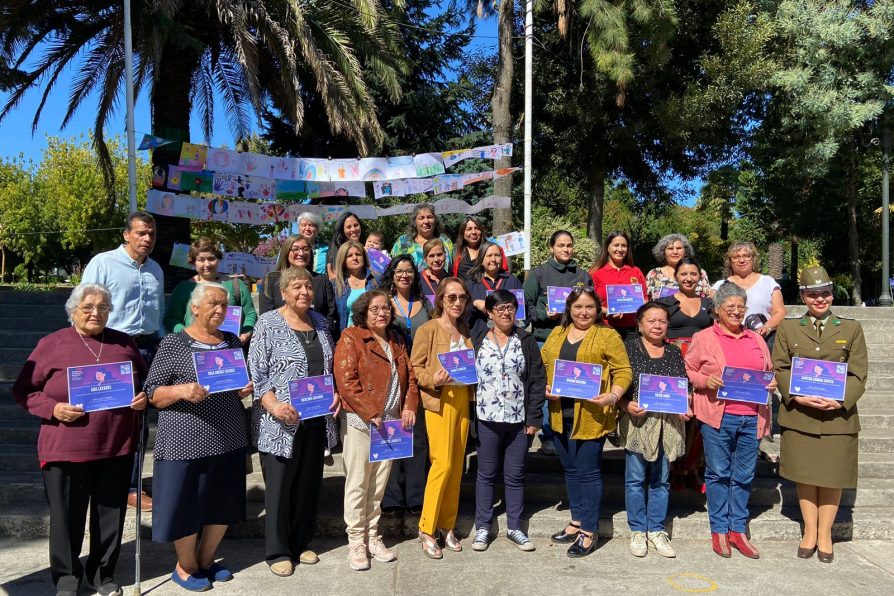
x,y
291,343
509,410
732,406
85,451
583,353
205,256
486,276
199,476
652,428
819,426
446,404
378,390
620,284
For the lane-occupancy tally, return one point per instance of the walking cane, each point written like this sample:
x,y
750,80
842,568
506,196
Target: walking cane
x,y
140,452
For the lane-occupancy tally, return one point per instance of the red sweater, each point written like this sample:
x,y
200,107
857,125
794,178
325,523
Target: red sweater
x,y
43,383
609,276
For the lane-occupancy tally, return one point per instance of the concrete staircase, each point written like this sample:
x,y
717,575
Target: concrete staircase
x,y
867,512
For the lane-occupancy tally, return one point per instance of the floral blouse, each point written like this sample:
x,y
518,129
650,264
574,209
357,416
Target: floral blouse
x,y
642,435
501,390
656,281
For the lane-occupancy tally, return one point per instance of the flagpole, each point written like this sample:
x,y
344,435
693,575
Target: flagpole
x,y
529,68
128,86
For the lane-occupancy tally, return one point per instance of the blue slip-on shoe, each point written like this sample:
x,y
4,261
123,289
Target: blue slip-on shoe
x,y
218,573
196,582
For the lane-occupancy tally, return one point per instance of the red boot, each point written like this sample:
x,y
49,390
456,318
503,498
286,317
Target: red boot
x,y
720,544
740,541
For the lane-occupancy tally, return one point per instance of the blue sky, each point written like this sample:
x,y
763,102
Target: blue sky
x,y
15,129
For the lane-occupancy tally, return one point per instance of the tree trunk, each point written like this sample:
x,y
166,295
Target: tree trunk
x,y
597,202
776,257
853,238
171,107
793,264
502,117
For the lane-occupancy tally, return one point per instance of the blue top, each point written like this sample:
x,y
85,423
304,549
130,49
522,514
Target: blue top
x,y
349,302
138,298
321,253
344,301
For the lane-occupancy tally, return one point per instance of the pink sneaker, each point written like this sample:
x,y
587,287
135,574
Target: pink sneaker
x,y
379,551
357,557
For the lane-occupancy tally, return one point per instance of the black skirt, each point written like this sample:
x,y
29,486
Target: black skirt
x,y
190,494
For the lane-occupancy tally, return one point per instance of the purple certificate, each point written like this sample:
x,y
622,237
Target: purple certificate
x,y
623,299
668,291
391,442
431,299
101,386
233,320
818,378
556,296
378,261
665,395
580,380
312,396
220,370
460,365
519,301
745,384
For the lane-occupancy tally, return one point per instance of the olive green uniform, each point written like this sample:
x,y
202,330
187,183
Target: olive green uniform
x,y
819,447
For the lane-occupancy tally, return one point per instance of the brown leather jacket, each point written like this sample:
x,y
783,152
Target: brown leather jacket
x,y
362,373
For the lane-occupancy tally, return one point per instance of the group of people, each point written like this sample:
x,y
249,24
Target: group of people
x,y
379,339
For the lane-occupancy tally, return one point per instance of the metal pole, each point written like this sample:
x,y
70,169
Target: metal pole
x,y
885,298
128,86
529,103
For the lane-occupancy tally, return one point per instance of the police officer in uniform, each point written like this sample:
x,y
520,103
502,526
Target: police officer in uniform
x,y
819,436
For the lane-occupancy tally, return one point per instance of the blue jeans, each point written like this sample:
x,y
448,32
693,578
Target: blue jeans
x,y
646,489
581,460
506,443
731,458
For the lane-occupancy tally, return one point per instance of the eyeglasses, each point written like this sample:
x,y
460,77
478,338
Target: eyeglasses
x,y
732,309
454,298
100,308
742,258
505,308
403,273
302,249
377,310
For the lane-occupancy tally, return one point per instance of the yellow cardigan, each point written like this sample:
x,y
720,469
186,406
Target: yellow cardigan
x,y
601,345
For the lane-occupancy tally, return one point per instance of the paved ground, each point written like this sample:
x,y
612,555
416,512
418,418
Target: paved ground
x,y
861,567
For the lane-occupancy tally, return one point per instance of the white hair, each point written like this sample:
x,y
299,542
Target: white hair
x,y
729,290
198,293
312,218
80,292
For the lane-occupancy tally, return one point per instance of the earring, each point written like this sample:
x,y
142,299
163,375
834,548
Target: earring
x,y
490,323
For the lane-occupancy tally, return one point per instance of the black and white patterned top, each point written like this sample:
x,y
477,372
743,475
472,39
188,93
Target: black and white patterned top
x,y
500,396
188,430
275,357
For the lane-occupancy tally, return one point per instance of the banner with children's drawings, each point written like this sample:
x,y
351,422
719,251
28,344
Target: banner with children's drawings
x,y
244,212
198,158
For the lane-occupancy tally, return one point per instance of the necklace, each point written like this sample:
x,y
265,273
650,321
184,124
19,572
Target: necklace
x,y
101,345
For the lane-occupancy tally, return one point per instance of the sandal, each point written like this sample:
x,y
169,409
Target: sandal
x,y
430,546
564,537
451,542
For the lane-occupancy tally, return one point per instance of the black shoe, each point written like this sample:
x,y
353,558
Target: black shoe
x,y
415,510
561,537
578,549
389,512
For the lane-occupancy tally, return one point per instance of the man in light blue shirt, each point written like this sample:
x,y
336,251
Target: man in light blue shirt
x,y
136,283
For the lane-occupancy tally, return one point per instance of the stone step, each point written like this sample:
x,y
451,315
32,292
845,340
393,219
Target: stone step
x,y
876,441
43,324
21,339
541,520
879,382
57,296
25,310
876,418
14,357
880,351
24,431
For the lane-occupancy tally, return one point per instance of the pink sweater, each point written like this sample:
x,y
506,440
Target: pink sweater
x,y
705,358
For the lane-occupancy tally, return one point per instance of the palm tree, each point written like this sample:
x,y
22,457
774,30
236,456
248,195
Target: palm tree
x,y
252,55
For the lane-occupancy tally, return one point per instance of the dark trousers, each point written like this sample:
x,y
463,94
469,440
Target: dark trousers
x,y
581,460
292,493
71,488
506,442
406,484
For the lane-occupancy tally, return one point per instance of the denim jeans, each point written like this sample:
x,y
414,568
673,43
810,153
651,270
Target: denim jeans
x,y
581,460
646,489
506,443
731,458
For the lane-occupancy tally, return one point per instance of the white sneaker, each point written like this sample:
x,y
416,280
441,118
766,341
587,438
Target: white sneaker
x,y
661,543
482,540
518,538
638,545
379,551
358,558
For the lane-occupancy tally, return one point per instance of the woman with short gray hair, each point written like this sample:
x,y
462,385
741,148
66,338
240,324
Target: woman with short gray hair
x,y
199,483
86,454
661,281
